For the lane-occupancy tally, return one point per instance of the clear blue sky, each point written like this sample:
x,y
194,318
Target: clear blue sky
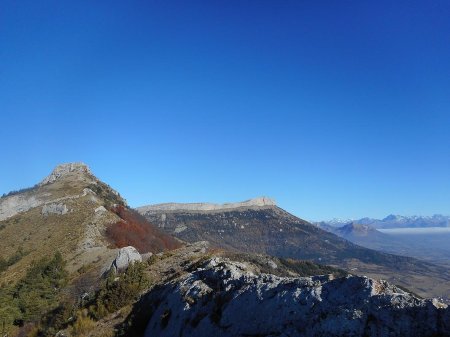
x,y
333,108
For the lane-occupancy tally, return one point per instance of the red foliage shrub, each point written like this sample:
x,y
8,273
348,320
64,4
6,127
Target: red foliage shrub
x,y
134,230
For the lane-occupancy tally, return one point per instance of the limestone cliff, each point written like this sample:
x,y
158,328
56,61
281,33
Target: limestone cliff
x,y
226,298
256,202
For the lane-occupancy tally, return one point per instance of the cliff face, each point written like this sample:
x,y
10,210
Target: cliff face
x,y
255,202
225,298
78,170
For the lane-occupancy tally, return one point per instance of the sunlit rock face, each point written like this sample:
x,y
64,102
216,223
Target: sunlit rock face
x,y
255,202
224,298
125,256
63,170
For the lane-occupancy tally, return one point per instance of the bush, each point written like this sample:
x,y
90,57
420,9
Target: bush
x,y
16,257
83,323
134,230
117,292
58,318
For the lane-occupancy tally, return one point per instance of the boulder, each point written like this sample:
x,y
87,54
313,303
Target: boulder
x,y
54,208
146,256
100,209
125,256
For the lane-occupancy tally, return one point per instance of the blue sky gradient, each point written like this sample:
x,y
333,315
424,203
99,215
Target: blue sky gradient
x,y
335,109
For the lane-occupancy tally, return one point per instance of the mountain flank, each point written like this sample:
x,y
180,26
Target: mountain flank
x,y
271,230
75,213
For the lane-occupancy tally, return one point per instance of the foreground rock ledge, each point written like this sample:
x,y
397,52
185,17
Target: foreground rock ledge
x,y
224,298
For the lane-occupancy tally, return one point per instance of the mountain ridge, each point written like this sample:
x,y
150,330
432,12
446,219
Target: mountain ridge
x,y
394,221
205,206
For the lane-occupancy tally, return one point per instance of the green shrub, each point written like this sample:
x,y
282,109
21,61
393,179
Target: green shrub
x,y
13,259
34,295
9,310
119,290
38,291
58,318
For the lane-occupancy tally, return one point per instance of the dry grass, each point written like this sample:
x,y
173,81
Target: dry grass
x,y
40,236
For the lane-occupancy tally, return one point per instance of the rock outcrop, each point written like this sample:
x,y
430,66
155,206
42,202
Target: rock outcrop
x,y
65,169
54,208
124,257
256,202
11,205
224,298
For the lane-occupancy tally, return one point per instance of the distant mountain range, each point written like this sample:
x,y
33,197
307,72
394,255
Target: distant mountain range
x,y
394,221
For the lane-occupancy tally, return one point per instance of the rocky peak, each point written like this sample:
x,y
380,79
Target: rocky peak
x,y
64,170
355,228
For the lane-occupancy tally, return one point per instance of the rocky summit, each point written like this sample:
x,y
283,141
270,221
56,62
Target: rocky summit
x,y
51,190
63,170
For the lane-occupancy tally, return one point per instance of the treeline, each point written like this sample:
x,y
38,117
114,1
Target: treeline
x,y
26,189
34,295
307,268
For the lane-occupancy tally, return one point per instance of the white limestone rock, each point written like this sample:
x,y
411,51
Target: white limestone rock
x,y
256,202
222,298
11,205
100,210
66,169
180,228
54,208
87,191
124,257
146,256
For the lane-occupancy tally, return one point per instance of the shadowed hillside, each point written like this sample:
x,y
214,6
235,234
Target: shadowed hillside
x,y
271,230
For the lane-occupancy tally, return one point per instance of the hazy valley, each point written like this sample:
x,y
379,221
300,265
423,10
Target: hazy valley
x,y
425,243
